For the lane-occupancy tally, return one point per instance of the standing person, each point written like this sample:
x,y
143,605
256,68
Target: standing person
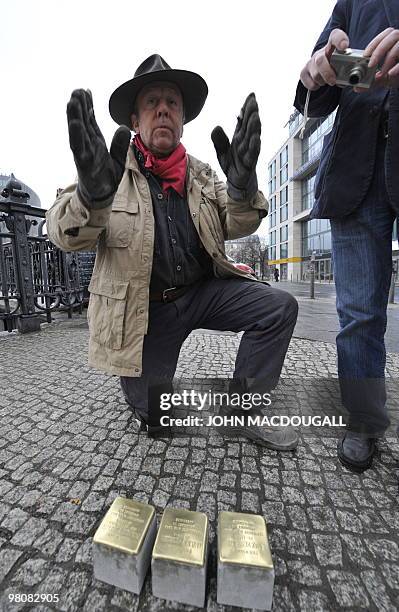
x,y
276,274
357,188
159,219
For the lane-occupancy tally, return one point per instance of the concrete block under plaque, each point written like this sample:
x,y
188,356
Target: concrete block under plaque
x,y
245,571
179,558
122,544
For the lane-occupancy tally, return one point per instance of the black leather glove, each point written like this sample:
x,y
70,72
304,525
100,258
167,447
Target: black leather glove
x,y
99,171
238,159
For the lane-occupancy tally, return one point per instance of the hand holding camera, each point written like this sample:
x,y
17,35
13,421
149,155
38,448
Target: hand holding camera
x,y
383,51
318,70
99,171
336,64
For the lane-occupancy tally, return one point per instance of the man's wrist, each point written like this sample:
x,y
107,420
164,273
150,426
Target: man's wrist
x,y
91,203
241,194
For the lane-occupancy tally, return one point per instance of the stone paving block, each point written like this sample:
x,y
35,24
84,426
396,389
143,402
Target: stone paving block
x,y
48,542
391,575
160,499
96,602
314,601
277,539
31,572
250,482
250,502
377,590
282,599
297,517
8,557
228,481
274,513
307,574
173,467
348,589
383,549
29,532
14,520
349,521
298,543
322,518
80,524
292,495
314,496
72,595
356,550
328,549
67,549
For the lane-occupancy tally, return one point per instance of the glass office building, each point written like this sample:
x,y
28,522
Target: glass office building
x,y
293,237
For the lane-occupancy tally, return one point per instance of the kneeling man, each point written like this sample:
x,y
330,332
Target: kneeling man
x,y
158,218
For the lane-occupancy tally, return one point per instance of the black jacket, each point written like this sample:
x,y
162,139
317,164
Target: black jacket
x,y
348,155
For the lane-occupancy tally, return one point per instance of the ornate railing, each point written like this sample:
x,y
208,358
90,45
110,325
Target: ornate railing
x,y
36,278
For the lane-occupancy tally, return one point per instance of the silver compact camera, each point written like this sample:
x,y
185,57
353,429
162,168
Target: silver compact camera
x,y
352,68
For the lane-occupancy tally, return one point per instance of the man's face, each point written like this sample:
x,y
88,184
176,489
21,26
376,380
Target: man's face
x,y
159,118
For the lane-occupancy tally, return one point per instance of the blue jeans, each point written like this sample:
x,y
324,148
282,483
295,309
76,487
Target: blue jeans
x,y
362,260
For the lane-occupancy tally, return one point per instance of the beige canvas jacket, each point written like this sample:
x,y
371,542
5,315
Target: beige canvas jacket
x,y
123,235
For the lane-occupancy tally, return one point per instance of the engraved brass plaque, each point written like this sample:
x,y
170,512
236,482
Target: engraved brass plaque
x,y
182,537
242,539
125,525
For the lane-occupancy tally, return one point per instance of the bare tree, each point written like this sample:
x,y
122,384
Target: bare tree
x,y
251,251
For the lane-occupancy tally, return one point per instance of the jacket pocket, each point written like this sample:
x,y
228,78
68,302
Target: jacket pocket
x,y
122,222
106,312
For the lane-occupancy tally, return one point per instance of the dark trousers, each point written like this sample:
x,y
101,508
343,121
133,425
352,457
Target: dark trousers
x,y
266,315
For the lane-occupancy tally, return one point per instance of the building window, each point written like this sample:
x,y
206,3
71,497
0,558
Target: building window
x,y
284,175
272,211
308,192
316,236
284,233
283,213
284,250
272,177
284,156
284,196
272,247
313,141
284,165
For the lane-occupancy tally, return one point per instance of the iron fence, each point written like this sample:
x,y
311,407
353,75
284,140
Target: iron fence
x,y
36,278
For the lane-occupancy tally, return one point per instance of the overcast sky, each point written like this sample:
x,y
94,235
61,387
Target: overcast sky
x,y
48,48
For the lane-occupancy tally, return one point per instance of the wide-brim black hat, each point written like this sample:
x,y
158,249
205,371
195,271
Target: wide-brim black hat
x,y
192,86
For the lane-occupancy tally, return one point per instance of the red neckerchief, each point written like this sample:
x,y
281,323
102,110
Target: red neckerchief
x,y
171,169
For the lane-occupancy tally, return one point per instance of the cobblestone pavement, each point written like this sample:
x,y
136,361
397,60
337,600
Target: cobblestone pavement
x,y
69,445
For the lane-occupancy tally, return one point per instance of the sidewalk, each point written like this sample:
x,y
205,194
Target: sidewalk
x,y
69,446
318,318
